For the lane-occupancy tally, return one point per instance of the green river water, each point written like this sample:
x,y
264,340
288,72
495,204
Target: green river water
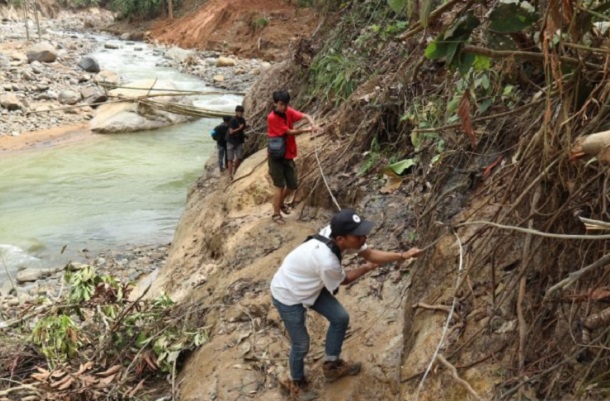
x,y
108,191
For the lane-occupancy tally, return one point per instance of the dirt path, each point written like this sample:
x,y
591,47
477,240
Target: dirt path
x,y
248,28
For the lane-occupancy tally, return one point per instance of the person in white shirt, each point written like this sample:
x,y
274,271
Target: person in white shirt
x,y
308,278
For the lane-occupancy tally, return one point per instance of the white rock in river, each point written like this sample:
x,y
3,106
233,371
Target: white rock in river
x,y
131,117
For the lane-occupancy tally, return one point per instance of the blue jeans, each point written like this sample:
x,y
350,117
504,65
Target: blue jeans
x,y
294,320
222,153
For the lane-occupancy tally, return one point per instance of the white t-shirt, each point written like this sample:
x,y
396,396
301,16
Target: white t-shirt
x,y
306,270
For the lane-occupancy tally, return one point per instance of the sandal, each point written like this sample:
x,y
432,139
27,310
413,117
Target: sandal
x,y
286,209
277,218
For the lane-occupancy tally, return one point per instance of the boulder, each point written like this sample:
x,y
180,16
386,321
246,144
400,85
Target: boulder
x,y
89,64
131,117
43,51
225,62
10,101
180,55
69,97
107,79
93,94
29,275
110,45
218,78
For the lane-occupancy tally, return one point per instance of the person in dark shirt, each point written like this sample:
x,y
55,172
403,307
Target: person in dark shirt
x,y
221,142
235,140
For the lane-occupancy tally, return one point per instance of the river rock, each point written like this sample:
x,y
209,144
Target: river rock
x,y
110,45
225,62
29,275
18,58
93,94
10,102
89,64
108,78
218,78
180,55
5,63
69,97
43,51
36,67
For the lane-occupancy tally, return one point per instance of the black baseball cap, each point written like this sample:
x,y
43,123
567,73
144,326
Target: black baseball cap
x,y
347,222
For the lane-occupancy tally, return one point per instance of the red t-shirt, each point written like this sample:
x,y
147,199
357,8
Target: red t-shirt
x,y
278,126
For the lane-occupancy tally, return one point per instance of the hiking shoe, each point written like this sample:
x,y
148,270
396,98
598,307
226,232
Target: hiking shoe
x,y
334,370
298,390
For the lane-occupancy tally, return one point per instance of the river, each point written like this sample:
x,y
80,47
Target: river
x,y
108,191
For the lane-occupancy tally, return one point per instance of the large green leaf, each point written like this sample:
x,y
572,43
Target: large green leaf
x,y
512,17
424,12
447,44
401,166
397,5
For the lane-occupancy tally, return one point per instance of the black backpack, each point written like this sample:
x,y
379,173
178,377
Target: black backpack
x,y
276,147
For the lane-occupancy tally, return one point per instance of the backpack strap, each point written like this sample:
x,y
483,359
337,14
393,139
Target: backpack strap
x,y
329,243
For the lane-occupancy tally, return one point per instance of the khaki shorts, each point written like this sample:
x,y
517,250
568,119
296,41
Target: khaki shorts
x,y
283,173
235,151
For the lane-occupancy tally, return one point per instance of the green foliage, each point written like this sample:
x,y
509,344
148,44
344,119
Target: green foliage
x,y
57,337
143,9
397,5
76,4
372,157
401,166
85,283
336,75
512,17
109,321
259,23
447,44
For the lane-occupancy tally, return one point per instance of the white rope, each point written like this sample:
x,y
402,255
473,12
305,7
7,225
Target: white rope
x,y
449,316
315,145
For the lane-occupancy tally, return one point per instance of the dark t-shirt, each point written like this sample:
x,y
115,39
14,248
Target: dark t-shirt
x,y
237,137
223,130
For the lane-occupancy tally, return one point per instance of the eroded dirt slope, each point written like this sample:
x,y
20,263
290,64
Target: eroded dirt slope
x,y
248,28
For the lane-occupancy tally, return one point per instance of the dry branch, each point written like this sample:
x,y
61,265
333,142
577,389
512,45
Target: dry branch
x,y
572,277
440,308
457,378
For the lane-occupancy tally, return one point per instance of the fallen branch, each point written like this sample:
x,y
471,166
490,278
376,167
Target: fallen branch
x,y
536,232
440,308
482,51
29,387
476,120
572,277
457,378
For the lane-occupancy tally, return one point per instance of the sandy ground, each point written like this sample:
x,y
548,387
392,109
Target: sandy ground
x,y
45,138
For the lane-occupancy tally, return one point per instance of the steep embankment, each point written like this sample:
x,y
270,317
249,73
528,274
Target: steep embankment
x,y
248,28
223,256
472,128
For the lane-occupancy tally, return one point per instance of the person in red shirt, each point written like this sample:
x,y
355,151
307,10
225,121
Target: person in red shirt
x,y
280,124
